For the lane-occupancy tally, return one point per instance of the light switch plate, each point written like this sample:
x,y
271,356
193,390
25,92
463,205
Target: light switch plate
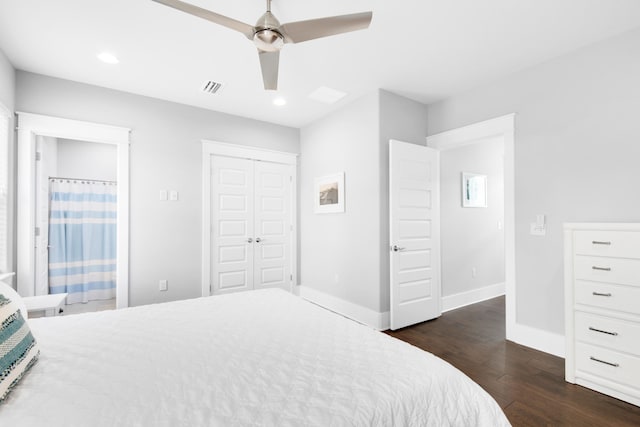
x,y
173,195
163,285
163,195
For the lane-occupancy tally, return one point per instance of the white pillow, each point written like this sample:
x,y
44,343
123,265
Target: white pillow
x,y
11,294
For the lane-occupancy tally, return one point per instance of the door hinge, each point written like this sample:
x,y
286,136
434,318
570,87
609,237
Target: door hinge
x,y
209,288
291,277
37,231
291,179
38,156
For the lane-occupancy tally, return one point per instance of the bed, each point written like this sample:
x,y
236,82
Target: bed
x,y
255,358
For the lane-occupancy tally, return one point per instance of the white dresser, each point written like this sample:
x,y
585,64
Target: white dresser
x,y
602,308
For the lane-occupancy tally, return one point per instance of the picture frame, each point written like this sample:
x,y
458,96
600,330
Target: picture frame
x,y
329,194
474,190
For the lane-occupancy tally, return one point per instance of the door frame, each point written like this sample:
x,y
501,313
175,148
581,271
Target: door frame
x,y
29,126
211,148
503,126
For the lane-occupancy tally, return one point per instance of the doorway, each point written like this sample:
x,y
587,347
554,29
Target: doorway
x,y
472,224
36,137
501,127
76,222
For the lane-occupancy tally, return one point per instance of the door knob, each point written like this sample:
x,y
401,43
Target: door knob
x,y
258,240
396,248
249,240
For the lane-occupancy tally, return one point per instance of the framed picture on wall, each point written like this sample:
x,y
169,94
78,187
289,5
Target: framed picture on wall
x,y
474,190
329,193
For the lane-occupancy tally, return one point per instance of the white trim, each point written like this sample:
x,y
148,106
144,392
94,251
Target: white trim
x,y
6,263
503,127
243,151
472,134
210,148
451,302
538,339
366,316
32,125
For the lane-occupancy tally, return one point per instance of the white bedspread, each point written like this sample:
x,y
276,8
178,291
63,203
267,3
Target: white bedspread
x,y
255,358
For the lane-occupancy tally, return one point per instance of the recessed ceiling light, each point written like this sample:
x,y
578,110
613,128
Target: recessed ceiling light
x,y
327,95
280,101
108,58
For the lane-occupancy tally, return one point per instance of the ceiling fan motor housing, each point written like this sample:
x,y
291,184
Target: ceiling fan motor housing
x,y
267,36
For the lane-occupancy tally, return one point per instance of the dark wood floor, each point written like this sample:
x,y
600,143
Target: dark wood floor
x,y
528,384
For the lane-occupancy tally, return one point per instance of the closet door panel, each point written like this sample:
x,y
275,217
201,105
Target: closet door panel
x,y
272,249
232,206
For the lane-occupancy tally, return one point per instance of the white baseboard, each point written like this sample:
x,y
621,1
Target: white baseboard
x,y
538,339
454,301
366,316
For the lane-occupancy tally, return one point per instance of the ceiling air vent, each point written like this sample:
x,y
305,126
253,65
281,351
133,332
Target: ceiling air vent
x,y
211,87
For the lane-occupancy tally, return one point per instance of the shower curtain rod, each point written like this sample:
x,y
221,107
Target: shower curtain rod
x,y
81,179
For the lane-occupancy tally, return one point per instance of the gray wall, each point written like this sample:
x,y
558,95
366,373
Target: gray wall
x,y
471,237
405,120
7,98
340,251
576,156
86,160
165,154
352,260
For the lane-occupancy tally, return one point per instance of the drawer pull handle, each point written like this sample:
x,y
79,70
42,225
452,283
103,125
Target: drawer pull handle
x,y
615,365
595,242
601,268
598,294
615,334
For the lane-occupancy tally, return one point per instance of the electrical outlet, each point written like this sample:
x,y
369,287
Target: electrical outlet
x,y
537,230
163,284
474,272
173,195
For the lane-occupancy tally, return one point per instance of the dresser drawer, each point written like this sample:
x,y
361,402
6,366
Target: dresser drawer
x,y
605,295
607,332
602,362
623,244
609,270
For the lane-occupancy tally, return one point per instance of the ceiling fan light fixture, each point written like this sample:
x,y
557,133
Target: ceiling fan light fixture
x,y
268,40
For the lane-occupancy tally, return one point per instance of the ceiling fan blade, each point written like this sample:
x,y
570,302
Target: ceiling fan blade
x,y
300,31
269,62
225,21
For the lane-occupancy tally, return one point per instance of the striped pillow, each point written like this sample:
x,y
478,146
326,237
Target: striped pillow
x,y
18,349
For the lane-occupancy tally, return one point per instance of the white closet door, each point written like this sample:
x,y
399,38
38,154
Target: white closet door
x,y
231,225
272,225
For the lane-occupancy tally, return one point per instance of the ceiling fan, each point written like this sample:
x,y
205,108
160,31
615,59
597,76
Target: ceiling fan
x,y
270,36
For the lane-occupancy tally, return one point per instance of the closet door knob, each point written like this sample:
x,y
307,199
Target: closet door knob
x,y
258,240
249,240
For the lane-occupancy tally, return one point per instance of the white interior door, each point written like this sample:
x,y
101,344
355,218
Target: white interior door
x,y
414,233
272,247
231,225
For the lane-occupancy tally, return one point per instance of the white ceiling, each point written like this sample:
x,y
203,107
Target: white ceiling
x,y
423,49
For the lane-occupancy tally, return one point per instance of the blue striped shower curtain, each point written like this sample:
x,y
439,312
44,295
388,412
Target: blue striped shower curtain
x,y
82,240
